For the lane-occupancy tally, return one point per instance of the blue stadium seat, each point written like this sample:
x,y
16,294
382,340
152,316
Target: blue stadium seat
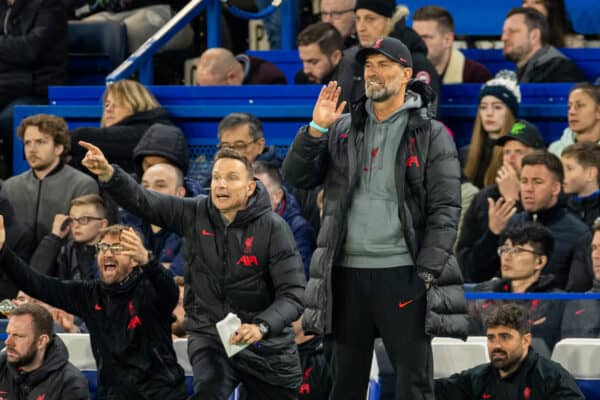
x,y
95,49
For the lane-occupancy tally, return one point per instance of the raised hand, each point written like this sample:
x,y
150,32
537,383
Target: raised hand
x,y
61,225
95,161
134,247
327,110
499,213
508,183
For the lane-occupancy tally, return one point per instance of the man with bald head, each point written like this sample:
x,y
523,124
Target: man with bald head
x,y
165,245
340,13
219,67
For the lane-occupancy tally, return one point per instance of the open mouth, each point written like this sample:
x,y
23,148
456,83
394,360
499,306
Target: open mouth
x,y
222,196
110,267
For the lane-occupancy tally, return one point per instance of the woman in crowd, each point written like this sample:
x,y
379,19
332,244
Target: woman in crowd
x,y
583,117
562,33
129,110
499,100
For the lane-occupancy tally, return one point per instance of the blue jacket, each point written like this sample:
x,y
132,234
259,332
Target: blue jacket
x,y
303,231
165,245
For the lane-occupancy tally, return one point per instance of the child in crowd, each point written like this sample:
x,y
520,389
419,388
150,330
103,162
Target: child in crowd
x,y
581,165
74,257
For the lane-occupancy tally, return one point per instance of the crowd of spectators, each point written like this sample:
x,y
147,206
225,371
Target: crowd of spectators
x,y
531,223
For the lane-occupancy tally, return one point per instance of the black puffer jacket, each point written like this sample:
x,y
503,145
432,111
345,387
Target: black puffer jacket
x,y
117,141
33,47
428,201
250,267
55,379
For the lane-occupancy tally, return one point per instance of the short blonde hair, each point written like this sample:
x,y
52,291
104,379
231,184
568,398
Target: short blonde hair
x,y
131,93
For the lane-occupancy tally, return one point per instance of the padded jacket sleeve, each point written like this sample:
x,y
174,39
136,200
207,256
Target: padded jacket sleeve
x,y
307,160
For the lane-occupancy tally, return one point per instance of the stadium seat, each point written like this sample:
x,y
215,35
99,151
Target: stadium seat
x,y
95,49
580,358
453,355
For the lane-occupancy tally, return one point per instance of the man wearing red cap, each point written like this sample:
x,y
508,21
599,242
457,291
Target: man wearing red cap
x,y
383,264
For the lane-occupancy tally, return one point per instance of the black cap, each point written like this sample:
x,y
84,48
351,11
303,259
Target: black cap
x,y
392,48
526,133
381,7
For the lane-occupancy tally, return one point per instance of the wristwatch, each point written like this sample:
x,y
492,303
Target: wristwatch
x,y
264,329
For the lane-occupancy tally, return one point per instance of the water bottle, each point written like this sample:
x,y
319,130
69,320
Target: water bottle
x,y
6,306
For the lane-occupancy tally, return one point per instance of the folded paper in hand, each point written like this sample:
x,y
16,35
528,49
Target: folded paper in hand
x,y
227,328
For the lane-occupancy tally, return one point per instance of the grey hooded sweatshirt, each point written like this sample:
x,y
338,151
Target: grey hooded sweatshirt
x,y
375,237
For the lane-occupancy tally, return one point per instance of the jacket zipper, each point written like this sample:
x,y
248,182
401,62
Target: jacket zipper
x,y
5,24
37,212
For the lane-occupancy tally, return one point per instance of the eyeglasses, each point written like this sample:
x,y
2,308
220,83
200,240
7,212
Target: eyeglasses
x,y
115,248
510,250
85,219
237,146
336,14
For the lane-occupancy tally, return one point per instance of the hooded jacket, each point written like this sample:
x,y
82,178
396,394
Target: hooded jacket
x,y
427,179
537,378
117,141
33,47
567,138
55,379
129,325
549,65
250,267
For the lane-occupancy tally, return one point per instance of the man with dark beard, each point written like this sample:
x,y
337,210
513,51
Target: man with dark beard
x,y
516,371
36,363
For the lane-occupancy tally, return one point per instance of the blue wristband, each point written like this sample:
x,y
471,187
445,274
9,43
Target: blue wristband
x,y
317,127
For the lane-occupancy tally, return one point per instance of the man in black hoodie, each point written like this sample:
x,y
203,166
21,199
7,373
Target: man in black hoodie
x,y
128,313
36,363
242,260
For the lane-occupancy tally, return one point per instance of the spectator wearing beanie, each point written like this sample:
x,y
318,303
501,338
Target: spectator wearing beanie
x,y
374,19
498,108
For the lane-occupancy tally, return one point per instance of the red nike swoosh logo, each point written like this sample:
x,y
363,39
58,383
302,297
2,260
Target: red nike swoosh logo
x,y
404,303
486,396
97,307
207,233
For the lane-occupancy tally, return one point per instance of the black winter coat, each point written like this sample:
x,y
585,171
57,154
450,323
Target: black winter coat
x,y
129,325
250,267
55,379
117,141
537,378
587,208
33,48
581,318
428,202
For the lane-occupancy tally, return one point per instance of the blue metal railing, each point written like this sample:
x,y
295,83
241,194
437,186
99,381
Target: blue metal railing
x,y
141,59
